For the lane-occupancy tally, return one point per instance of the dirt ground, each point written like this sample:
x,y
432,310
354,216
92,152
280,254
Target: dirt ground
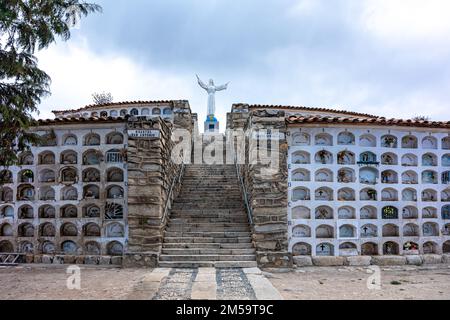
x,y
38,282
350,283
48,283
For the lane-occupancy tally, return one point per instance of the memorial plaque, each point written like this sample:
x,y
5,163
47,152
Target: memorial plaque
x,y
144,134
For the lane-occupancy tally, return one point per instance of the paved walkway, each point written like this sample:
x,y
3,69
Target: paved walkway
x,y
207,284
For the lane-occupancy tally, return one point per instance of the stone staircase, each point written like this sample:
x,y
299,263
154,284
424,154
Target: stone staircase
x,y
208,225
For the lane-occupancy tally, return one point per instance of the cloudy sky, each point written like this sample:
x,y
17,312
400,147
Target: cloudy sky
x,y
385,57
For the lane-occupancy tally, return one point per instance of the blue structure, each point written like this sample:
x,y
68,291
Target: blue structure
x,y
211,124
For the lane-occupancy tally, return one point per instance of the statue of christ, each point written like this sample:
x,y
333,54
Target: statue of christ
x,y
211,89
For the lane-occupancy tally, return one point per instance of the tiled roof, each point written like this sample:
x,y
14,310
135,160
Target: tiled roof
x,y
43,122
314,109
118,104
296,119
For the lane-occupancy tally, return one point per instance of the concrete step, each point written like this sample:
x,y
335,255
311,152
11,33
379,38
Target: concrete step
x,y
210,187
209,211
209,192
208,224
199,258
209,180
195,216
207,264
207,234
187,239
183,229
210,205
241,220
206,251
198,246
210,176
184,206
194,224
197,199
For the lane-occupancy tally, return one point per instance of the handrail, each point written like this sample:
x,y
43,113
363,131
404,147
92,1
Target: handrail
x,y
244,191
176,179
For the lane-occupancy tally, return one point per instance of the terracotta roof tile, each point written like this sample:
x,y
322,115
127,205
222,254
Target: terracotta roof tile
x,y
56,121
316,109
116,104
296,119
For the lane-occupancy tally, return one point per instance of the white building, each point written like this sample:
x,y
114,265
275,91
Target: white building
x,y
363,185
69,194
357,184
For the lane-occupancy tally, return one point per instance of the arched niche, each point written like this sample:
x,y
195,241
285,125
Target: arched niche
x,y
301,212
301,157
369,249
324,250
301,139
324,139
301,249
367,140
324,175
301,231
346,138
346,213
369,231
301,175
301,194
324,232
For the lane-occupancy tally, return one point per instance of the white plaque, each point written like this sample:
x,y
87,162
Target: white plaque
x,y
145,134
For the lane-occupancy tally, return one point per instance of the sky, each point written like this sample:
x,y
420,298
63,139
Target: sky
x,y
383,57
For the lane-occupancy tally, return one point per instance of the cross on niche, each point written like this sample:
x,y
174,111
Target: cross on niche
x,y
365,229
322,247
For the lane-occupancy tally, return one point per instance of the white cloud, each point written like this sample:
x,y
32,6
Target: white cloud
x,y
77,72
408,20
304,7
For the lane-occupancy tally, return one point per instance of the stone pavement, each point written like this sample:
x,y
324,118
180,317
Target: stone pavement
x,y
206,284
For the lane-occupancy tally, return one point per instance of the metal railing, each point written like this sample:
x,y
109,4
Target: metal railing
x,y
244,191
176,179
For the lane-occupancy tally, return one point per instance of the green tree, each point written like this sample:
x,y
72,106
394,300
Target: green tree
x,y
102,98
25,27
421,118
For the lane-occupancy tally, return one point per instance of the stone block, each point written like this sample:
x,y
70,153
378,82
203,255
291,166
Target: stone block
x,y
105,260
91,260
139,260
446,258
302,261
37,258
69,259
275,259
389,260
358,261
29,258
116,261
414,260
58,260
46,259
328,261
79,260
271,228
432,259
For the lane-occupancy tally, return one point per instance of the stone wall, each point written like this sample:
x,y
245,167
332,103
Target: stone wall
x,y
417,260
266,186
150,175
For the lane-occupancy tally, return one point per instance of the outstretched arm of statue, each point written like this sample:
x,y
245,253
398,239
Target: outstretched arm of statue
x,y
201,83
224,87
